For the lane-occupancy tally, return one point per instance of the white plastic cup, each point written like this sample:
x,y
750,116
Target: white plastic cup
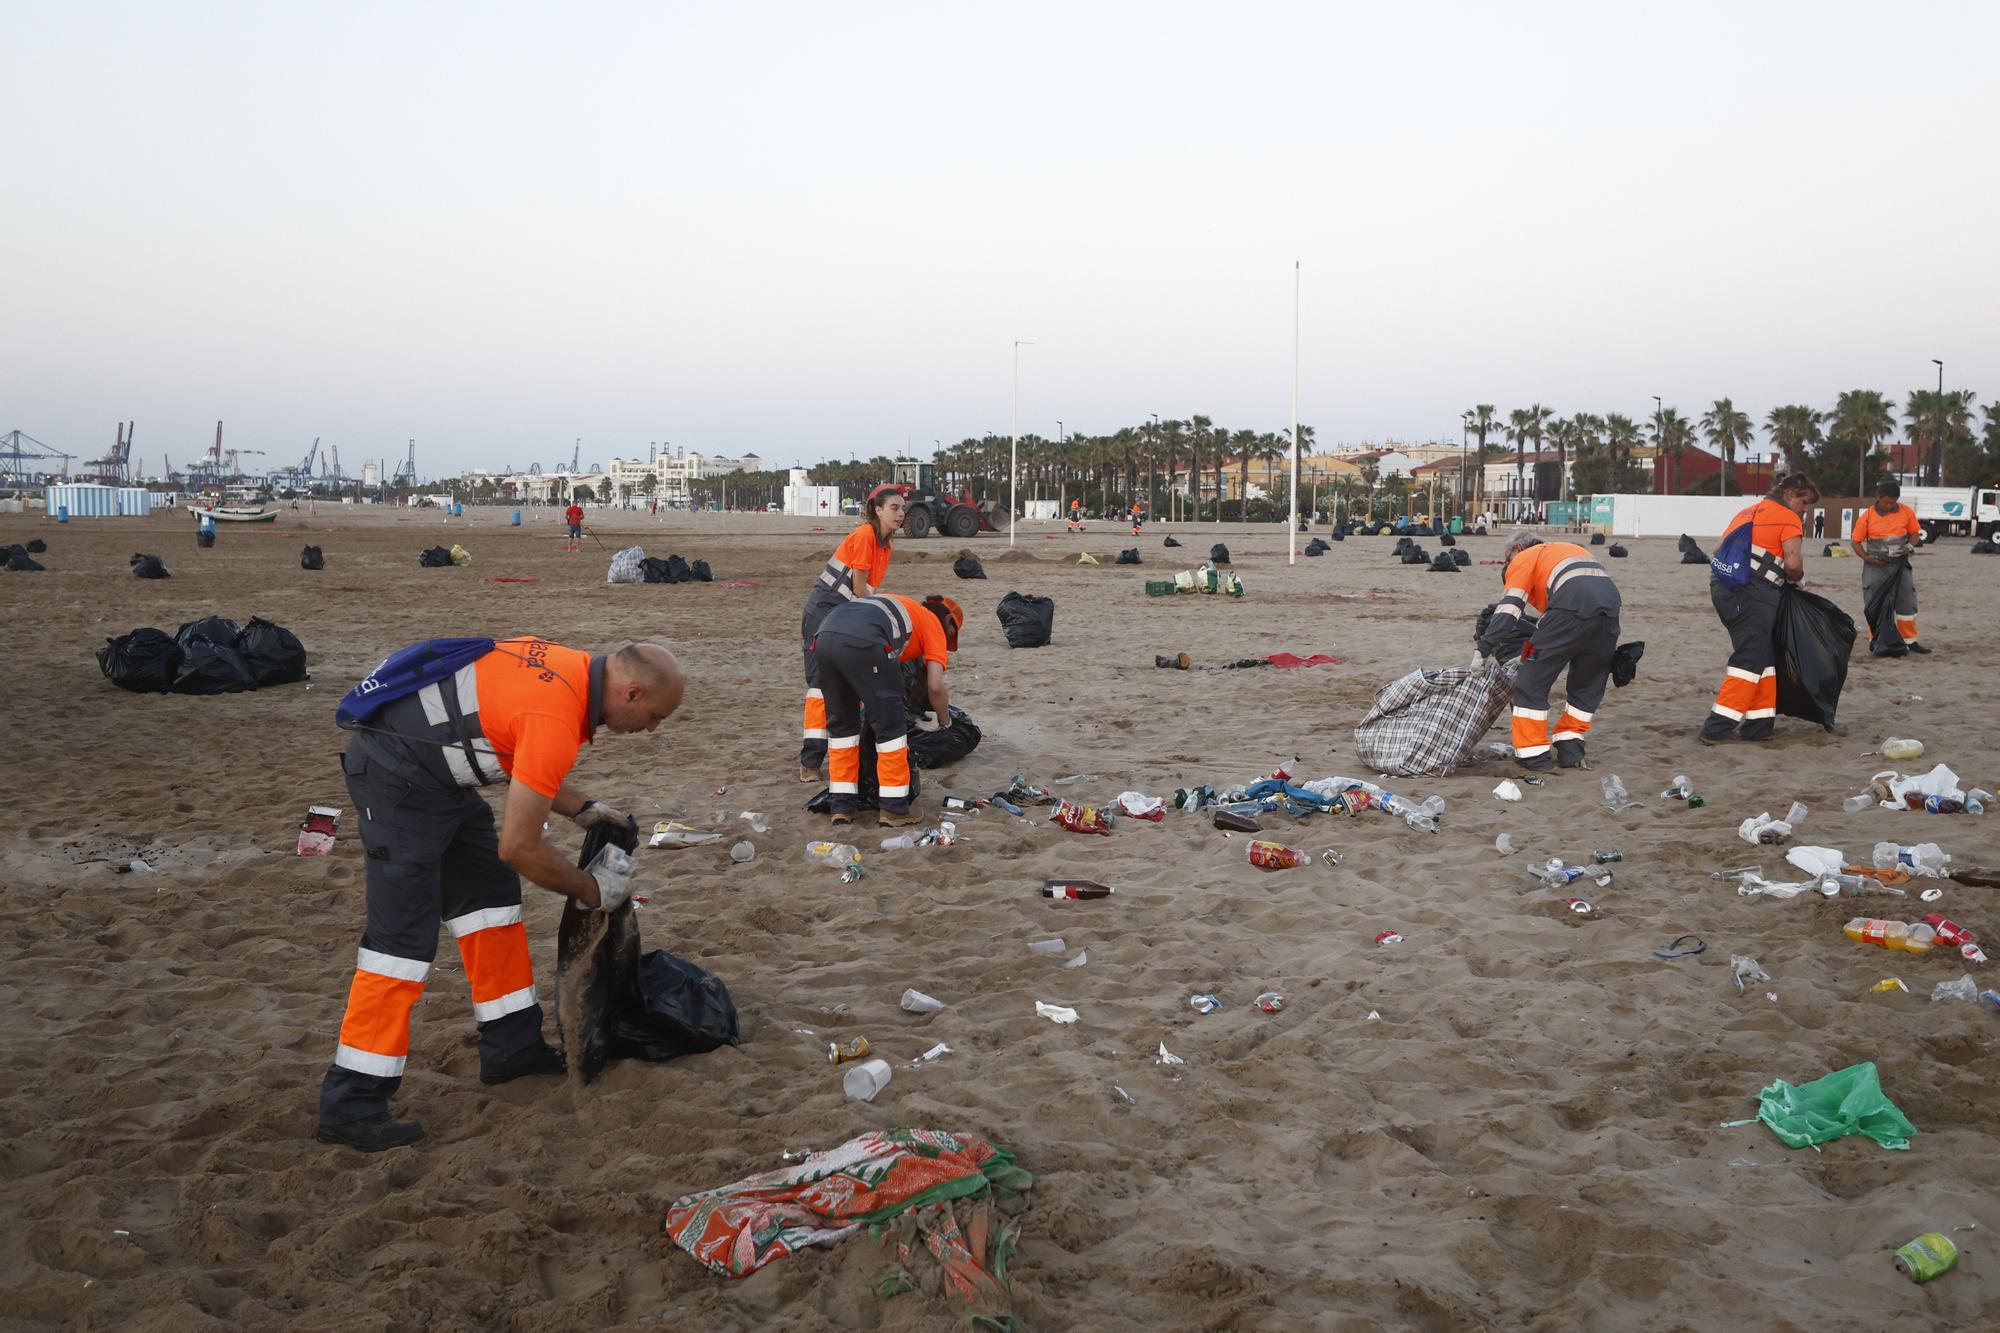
x,y
916,1002
862,1081
741,852
1047,946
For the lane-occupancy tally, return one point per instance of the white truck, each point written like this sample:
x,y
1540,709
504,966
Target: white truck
x,y
1954,511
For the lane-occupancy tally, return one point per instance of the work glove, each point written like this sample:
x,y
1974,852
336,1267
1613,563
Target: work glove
x,y
597,812
1478,659
612,869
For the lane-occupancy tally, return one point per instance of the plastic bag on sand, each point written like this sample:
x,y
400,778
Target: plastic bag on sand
x,y
1817,860
1940,781
1813,639
1848,1102
460,556
1141,806
144,661
1028,622
627,566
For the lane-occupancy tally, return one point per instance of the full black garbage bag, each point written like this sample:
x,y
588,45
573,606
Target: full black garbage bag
x,y
1625,662
1981,547
221,629
204,537
37,546
144,661
20,562
671,570
310,558
1340,534
208,667
1420,530
935,749
1812,639
611,1004
1218,554
1415,555
1880,612
1446,539
1128,556
1617,552
1597,539
1170,542
1028,622
968,568
1511,644
1691,553
1460,558
1403,544
273,653
1317,547
1444,564
700,572
149,567
437,557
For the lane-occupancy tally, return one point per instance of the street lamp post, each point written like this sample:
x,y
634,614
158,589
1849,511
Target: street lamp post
x,y
1151,498
1464,438
1937,431
1659,438
1014,448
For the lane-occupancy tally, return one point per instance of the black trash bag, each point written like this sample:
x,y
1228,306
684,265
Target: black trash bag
x,y
1316,549
935,749
437,557
149,567
1128,556
1446,539
1879,611
611,1004
671,570
220,629
1597,539
1691,553
204,537
20,562
1826,550
1218,554
144,661
1340,534
1812,640
1480,531
1980,547
1170,542
968,568
1420,530
310,558
1625,663
208,667
699,572
1415,555
1444,564
1616,552
1402,543
36,546
1028,622
656,570
1460,558
273,653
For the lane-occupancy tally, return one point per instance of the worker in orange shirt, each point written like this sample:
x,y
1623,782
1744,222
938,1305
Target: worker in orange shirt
x,y
1760,552
1885,536
856,569
1135,520
1574,607
478,712
1076,515
860,646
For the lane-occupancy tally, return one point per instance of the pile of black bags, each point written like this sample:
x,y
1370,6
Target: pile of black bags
x,y
207,656
676,570
17,560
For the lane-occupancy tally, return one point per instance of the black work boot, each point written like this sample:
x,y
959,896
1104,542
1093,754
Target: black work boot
x,y
1918,648
1569,754
540,1059
1541,763
375,1133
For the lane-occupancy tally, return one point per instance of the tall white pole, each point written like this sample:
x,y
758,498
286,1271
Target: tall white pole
x,y
1292,525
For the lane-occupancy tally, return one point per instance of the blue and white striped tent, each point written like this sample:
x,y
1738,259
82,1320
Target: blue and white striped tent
x,y
86,500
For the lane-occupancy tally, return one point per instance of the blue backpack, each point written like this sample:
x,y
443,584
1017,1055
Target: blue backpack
x,y
1730,565
406,671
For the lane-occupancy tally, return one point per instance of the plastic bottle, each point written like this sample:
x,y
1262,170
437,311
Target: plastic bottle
x,y
862,1081
1977,802
837,854
1002,803
1900,748
1943,805
1075,888
1840,884
1420,817
1891,934
1926,858
1615,795
1796,815
1276,856
1055,945
1854,805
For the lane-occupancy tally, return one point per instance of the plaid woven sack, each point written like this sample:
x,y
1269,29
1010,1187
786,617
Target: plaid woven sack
x,y
1427,723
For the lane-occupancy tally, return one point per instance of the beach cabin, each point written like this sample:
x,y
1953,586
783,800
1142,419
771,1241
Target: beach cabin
x,y
90,500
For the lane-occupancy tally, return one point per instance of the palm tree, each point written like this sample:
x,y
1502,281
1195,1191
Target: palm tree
x,y
1673,435
1862,419
1728,430
1621,437
1371,475
1581,435
1281,449
1200,432
1220,455
1525,426
1794,428
1246,443
1926,413
1483,422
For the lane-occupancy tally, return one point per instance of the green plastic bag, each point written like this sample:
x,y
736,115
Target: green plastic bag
x,y
1848,1102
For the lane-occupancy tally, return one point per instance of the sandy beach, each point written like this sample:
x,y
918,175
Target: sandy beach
x,y
1526,1137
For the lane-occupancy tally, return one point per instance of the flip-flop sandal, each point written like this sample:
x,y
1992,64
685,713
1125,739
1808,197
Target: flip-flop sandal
x,y
1669,954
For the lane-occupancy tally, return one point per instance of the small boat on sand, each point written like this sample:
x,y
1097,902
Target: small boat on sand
x,y
235,514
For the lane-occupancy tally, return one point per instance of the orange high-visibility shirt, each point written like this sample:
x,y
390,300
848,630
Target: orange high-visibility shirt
x,y
1773,524
861,555
1877,526
534,706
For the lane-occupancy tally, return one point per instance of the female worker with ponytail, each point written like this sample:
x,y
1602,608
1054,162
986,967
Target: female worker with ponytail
x,y
856,569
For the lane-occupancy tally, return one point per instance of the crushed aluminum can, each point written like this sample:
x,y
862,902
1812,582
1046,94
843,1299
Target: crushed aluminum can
x,y
1581,907
851,873
836,1054
1270,1002
1533,779
1204,1004
1971,952
1389,937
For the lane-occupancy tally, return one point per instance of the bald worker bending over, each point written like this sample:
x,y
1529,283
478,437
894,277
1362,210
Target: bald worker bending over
x,y
429,725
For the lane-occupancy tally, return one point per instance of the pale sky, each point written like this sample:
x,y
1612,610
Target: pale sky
x,y
814,230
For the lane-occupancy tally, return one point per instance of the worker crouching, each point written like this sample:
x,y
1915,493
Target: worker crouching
x,y
859,651
1573,606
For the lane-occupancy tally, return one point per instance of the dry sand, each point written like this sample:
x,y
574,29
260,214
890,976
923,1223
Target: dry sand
x,y
1528,1136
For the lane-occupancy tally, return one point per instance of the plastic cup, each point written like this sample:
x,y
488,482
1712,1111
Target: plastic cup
x,y
862,1081
916,1002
